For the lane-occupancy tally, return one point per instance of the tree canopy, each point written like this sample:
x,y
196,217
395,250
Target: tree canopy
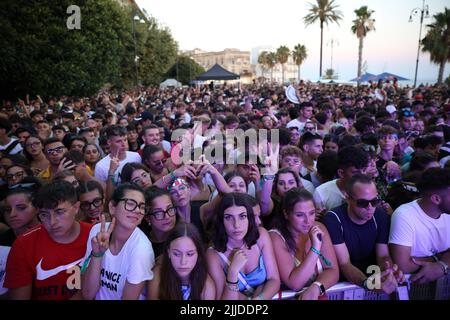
x,y
41,55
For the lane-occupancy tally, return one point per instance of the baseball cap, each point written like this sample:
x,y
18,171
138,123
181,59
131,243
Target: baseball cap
x,y
391,108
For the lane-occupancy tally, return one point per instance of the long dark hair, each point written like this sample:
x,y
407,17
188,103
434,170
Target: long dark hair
x,y
170,284
220,236
25,151
281,223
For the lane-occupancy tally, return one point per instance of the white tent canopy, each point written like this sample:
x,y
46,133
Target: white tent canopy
x,y
170,83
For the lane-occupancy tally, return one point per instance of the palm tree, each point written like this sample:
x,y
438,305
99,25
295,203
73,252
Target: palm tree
x,y
437,41
299,55
362,25
271,62
330,74
262,60
282,53
324,11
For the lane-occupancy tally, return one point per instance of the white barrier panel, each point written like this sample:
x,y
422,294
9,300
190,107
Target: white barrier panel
x,y
438,290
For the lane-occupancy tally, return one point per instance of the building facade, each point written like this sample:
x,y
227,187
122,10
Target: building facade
x,y
290,68
233,60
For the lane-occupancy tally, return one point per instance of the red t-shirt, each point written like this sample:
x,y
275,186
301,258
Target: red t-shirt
x,y
37,259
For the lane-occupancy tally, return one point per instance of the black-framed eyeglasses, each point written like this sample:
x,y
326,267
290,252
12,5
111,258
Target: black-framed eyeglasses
x,y
16,175
363,203
131,205
86,205
56,150
161,214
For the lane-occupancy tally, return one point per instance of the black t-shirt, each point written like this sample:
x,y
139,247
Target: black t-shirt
x,y
360,240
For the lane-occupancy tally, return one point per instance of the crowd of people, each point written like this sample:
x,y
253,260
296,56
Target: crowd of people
x,y
100,199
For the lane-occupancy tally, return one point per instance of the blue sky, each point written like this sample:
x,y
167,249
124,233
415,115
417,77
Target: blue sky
x,y
244,24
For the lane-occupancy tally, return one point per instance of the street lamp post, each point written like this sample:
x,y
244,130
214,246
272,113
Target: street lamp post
x,y
415,12
136,58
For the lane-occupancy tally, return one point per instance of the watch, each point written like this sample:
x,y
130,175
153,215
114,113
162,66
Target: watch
x,y
321,287
444,266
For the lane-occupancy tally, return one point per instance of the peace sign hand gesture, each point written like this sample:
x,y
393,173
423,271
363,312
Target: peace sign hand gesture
x,y
100,243
271,161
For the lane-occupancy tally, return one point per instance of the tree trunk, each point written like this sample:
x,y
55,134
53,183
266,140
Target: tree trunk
x,y
360,49
299,73
282,72
321,43
441,72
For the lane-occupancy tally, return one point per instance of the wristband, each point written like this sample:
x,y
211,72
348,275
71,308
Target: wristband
x,y
230,282
327,262
97,255
232,287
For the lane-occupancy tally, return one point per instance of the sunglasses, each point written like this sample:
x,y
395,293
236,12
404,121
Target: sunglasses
x,y
408,113
363,203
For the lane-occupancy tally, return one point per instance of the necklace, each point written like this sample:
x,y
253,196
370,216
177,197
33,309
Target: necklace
x,y
237,248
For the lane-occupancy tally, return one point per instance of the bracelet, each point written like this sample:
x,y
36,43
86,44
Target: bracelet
x,y
327,262
268,177
97,255
230,282
232,287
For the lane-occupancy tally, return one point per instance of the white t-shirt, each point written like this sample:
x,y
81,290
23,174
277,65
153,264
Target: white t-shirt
x,y
328,195
17,149
4,251
134,264
296,123
308,185
166,146
102,167
412,227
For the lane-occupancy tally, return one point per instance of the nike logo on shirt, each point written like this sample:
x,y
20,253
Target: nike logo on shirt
x,y
42,274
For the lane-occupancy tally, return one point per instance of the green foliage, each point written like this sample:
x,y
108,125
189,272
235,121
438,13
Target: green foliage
x,y
299,54
437,41
159,53
40,55
185,70
330,74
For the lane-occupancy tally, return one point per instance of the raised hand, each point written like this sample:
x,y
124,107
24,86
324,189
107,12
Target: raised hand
x,y
315,235
100,243
271,161
114,163
188,170
65,164
254,174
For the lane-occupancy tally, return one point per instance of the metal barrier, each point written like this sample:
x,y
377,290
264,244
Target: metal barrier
x,y
437,290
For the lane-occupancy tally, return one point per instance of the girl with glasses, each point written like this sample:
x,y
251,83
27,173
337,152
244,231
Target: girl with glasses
x,y
92,202
15,174
34,152
160,218
183,272
119,258
241,261
302,246
18,211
